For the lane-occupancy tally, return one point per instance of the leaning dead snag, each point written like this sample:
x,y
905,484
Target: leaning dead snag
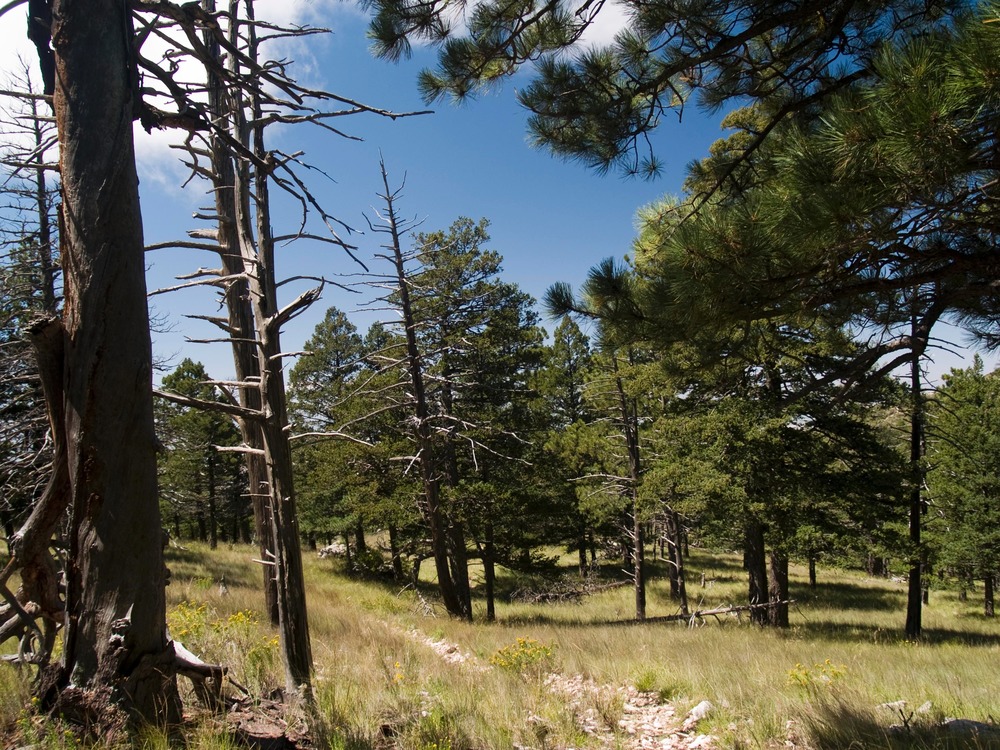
x,y
427,454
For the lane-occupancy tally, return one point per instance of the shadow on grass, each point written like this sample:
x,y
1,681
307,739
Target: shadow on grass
x,y
832,725
850,596
187,563
854,633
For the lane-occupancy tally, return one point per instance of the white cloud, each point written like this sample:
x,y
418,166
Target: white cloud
x,y
612,19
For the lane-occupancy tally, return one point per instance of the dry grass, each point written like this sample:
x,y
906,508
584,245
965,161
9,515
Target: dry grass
x,y
379,685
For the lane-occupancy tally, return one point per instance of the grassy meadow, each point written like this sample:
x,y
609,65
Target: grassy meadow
x,y
380,685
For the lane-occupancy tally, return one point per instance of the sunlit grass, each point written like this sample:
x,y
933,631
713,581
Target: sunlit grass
x,y
379,685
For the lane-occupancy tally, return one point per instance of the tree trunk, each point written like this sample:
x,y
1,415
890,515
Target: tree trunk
x,y
456,528
777,613
914,596
359,537
640,566
257,252
755,560
627,545
199,516
677,553
812,571
116,651
397,558
460,567
489,574
240,326
630,430
988,603
876,566
431,506
670,537
213,521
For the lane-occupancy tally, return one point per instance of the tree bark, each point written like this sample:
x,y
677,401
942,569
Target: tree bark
x,y
116,652
431,506
639,555
676,548
669,538
359,537
988,599
256,247
630,430
460,567
777,613
756,564
489,574
241,327
914,598
397,558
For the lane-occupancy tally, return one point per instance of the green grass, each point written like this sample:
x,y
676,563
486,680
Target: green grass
x,y
379,686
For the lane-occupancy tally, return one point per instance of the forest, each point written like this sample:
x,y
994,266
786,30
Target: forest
x,y
729,423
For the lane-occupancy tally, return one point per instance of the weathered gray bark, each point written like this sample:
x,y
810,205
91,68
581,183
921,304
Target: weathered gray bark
x,y
116,650
675,545
431,506
253,226
240,321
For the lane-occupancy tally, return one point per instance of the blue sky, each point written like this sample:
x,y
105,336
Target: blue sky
x,y
551,220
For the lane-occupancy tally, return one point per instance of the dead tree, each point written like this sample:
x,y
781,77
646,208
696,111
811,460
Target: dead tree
x,y
426,456
118,665
29,285
227,146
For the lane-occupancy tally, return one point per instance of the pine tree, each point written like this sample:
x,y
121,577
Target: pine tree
x,y
963,482
199,485
602,104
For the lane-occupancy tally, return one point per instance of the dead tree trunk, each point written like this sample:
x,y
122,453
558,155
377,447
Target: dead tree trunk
x,y
675,557
257,252
116,651
426,453
239,324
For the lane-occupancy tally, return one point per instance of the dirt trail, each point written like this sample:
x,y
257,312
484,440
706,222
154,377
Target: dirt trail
x,y
644,724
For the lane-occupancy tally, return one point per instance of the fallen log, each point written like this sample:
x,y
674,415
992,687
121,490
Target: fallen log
x,y
701,614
